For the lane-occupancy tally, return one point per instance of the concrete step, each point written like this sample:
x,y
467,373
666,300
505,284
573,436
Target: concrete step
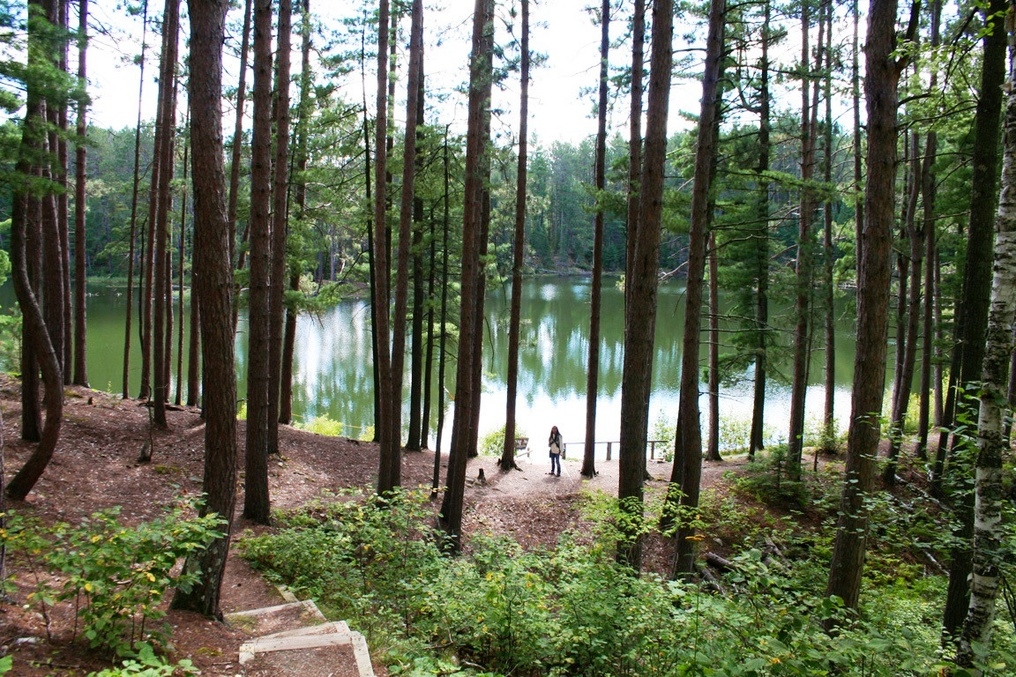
x,y
295,639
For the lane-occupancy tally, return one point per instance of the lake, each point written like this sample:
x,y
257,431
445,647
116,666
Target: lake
x,y
333,374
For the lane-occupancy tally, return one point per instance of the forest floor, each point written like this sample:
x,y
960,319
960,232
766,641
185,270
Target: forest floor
x,y
95,466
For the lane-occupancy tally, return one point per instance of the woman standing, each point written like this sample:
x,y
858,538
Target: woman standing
x,y
555,451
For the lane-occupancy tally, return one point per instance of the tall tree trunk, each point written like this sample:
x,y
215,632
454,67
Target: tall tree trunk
x,y
443,319
928,189
300,200
380,292
507,461
874,276
280,221
54,256
256,500
60,173
972,309
803,271
989,552
164,156
928,343
473,434
372,236
975,297
428,359
640,312
414,441
81,155
686,476
480,71
237,143
393,463
599,182
145,283
761,311
638,39
215,294
181,273
908,330
828,250
135,189
33,138
713,445
194,338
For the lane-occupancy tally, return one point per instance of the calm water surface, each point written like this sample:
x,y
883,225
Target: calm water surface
x,y
333,375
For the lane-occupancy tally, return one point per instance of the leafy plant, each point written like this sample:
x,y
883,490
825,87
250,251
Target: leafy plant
x,y
115,575
148,664
572,610
492,444
767,479
321,425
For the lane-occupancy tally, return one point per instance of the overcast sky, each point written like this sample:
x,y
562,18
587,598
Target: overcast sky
x,y
562,30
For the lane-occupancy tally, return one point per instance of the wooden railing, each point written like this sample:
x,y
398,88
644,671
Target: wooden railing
x,y
650,448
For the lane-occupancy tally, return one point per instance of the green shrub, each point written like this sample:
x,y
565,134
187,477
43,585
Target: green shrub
x,y
321,425
492,444
115,575
572,610
767,479
148,664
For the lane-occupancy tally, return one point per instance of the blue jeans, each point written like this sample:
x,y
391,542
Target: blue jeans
x,y
555,464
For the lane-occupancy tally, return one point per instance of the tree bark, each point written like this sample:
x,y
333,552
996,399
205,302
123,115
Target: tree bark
x,y
300,200
215,292
518,246
988,551
761,311
164,155
134,208
640,313
256,504
685,478
804,269
638,40
393,463
480,66
237,143
908,329
280,221
874,275
81,157
599,183
381,296
975,295
713,445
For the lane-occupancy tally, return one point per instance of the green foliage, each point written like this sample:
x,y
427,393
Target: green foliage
x,y
321,425
10,338
148,664
6,664
571,610
768,480
115,575
664,429
492,444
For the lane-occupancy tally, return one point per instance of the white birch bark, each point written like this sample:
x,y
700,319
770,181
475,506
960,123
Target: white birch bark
x,y
975,641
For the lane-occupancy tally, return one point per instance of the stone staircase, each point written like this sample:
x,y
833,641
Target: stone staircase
x,y
296,639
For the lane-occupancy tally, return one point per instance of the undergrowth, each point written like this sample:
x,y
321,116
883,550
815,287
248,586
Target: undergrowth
x,y
572,610
114,575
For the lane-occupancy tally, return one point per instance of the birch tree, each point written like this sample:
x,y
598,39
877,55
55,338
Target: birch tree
x,y
989,494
